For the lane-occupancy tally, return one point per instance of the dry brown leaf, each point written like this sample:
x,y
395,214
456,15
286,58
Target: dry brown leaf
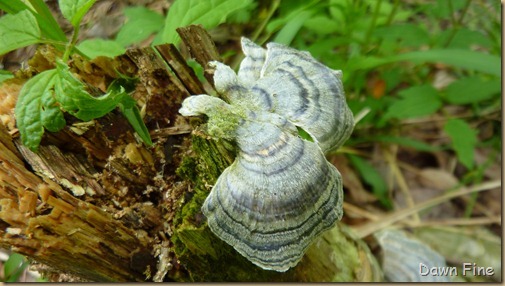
x,y
437,179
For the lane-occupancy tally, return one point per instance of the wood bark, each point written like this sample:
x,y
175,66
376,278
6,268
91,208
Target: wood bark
x,y
95,203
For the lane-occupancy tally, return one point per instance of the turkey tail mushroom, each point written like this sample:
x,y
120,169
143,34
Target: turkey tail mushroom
x,y
280,193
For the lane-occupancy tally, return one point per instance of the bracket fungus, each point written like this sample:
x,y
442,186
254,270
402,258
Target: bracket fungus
x,y
280,193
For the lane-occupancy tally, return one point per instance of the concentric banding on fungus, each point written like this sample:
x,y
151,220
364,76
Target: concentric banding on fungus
x,y
281,192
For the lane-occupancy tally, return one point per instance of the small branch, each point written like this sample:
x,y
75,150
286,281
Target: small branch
x,y
387,220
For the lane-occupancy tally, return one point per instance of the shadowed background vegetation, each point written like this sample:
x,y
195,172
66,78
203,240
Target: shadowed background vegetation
x,y
423,79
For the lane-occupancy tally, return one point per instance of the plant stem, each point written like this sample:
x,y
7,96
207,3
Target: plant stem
x,y
261,27
372,25
393,12
71,44
456,23
275,4
392,218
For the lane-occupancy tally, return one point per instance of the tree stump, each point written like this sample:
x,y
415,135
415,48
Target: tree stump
x,y
95,203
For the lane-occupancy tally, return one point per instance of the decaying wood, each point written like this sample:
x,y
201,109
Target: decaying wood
x,y
97,204
200,46
42,220
175,60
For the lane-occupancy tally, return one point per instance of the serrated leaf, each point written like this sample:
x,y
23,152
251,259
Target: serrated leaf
x,y
17,31
47,24
13,267
463,140
74,10
74,99
51,115
29,107
97,47
472,90
415,102
207,13
141,23
53,119
373,178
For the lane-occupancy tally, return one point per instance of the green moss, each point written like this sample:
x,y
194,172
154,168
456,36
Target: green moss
x,y
336,257
205,256
187,169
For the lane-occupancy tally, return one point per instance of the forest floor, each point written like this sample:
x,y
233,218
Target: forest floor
x,y
401,171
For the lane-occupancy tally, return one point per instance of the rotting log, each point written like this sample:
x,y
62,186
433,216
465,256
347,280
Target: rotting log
x,y
43,221
95,203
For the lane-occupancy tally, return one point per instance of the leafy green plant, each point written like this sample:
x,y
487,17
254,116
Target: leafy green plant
x,y
402,45
45,97
142,22
463,138
207,13
14,267
372,177
4,75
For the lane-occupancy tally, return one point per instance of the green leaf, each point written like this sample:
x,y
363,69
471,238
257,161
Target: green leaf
x,y
47,23
29,107
464,38
132,114
407,34
5,75
289,31
466,59
51,115
141,23
197,68
97,47
294,11
128,107
17,31
13,267
463,139
321,24
303,134
415,102
443,8
372,178
74,10
472,90
13,6
73,97
407,142
207,13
